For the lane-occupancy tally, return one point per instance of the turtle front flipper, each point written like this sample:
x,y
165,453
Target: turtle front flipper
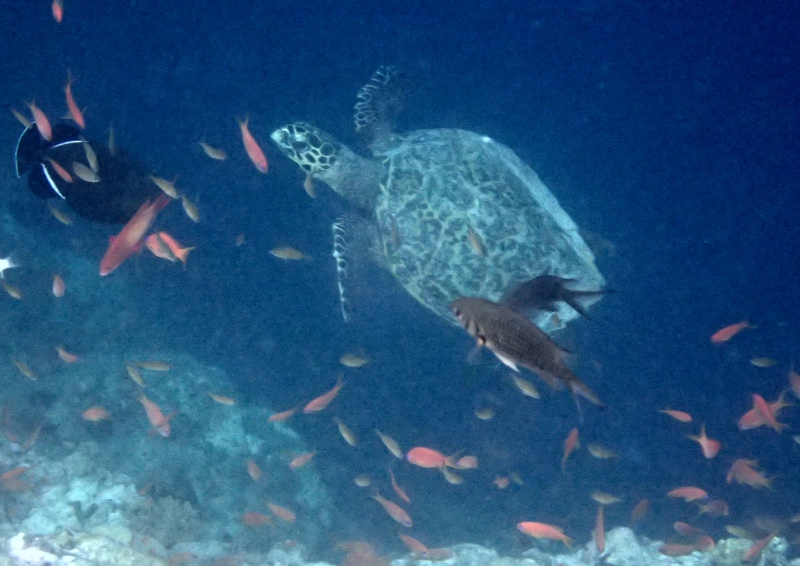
x,y
340,257
379,103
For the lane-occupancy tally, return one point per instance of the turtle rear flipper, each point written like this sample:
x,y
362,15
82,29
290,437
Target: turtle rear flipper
x,y
379,103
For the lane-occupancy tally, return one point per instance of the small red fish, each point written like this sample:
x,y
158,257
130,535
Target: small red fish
x,y
254,151
129,240
281,512
543,530
709,446
640,510
57,8
301,460
766,412
282,416
688,493
324,400
570,444
755,550
397,489
41,121
74,110
394,510
60,171
681,416
95,414
255,519
600,531
428,458
725,334
155,416
754,418
166,247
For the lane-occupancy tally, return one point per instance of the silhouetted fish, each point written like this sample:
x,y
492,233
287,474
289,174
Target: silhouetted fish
x,y
540,293
515,340
111,197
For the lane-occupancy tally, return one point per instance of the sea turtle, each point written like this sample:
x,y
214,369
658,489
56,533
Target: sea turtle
x,y
450,213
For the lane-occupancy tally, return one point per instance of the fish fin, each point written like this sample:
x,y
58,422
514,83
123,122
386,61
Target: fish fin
x,y
579,388
507,361
474,356
552,380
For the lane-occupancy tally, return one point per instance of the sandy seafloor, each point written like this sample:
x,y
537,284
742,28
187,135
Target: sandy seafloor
x,y
666,130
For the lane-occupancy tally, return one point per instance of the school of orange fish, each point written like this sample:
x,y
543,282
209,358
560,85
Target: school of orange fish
x,y
134,236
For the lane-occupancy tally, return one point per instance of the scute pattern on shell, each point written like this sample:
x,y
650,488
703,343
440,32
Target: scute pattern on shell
x,y
439,184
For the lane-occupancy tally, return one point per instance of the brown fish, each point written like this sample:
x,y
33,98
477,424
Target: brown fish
x,y
541,293
517,341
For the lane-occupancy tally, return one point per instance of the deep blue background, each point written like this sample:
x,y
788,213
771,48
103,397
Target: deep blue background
x,y
669,129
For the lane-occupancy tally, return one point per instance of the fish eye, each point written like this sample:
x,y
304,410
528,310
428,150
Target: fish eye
x,y
457,312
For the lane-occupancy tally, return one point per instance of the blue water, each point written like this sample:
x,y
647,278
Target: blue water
x,y
669,130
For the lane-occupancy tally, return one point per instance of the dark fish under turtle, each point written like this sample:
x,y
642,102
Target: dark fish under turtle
x,y
123,184
541,293
517,341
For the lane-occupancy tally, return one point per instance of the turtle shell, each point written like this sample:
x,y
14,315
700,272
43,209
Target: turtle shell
x,y
459,214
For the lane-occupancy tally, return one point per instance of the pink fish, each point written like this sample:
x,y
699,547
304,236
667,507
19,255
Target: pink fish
x,y
129,240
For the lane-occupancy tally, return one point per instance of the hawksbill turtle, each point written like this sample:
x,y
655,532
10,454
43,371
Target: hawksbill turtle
x,y
450,213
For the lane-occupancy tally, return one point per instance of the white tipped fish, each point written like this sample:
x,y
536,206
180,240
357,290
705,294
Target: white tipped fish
x,y
6,263
516,341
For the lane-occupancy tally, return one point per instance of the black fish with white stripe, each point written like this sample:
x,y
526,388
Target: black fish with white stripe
x,y
118,187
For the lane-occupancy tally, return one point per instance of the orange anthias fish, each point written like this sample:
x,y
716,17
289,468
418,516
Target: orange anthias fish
x,y
301,460
65,356
429,458
74,110
57,8
754,418
743,471
42,123
323,401
254,151
415,546
570,444
600,531
688,493
756,549
543,530
155,416
681,416
129,240
725,334
282,416
281,512
166,247
767,413
95,414
253,470
255,519
709,446
395,511
640,510
397,489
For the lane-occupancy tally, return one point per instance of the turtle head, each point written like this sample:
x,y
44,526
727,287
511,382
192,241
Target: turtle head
x,y
312,149
321,156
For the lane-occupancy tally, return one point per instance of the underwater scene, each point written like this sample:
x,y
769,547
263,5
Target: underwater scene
x,y
370,284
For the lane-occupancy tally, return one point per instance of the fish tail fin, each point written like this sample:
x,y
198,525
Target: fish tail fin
x,y
183,255
580,389
571,297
